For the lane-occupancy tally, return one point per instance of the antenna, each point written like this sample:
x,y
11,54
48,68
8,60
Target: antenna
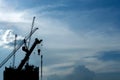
x,y
14,52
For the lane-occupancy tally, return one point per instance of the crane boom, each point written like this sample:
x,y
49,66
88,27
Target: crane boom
x,y
31,31
28,53
17,47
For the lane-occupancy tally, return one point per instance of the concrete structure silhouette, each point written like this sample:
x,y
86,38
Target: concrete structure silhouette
x,y
30,72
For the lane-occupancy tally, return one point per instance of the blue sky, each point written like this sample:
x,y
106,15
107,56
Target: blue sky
x,y
79,35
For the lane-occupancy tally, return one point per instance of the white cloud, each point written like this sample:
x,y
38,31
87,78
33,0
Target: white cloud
x,y
9,13
7,37
11,17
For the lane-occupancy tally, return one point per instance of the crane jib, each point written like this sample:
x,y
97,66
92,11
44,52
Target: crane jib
x,y
18,47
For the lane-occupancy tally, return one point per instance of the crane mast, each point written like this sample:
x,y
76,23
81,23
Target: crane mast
x,y
14,48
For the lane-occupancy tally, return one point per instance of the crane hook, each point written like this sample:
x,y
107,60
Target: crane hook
x,y
39,51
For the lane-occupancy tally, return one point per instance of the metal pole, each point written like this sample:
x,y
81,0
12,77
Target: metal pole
x,y
41,66
14,54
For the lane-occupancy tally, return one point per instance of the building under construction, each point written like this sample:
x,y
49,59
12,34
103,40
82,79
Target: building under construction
x,y
24,71
30,72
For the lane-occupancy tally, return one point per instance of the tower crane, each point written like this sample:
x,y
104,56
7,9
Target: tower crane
x,y
17,47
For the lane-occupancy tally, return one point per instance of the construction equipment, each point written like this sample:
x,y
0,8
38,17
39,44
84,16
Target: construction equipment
x,y
17,47
30,37
29,72
31,31
41,66
24,71
14,48
28,53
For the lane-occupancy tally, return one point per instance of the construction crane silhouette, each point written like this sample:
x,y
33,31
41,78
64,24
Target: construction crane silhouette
x,y
30,37
24,71
28,53
14,48
31,31
17,47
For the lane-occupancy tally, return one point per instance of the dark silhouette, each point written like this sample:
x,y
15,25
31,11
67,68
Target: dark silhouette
x,y
29,72
24,71
28,53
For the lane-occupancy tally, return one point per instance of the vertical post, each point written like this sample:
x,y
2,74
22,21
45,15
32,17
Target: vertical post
x,y
41,66
14,49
